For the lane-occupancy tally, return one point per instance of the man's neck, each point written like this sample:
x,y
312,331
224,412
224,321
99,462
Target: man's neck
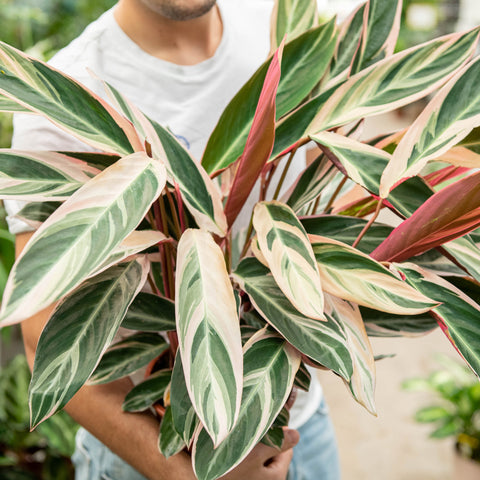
x,y
181,42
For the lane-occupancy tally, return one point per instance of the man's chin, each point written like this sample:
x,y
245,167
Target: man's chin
x,y
180,10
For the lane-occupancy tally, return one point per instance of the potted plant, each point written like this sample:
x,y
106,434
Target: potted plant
x,y
310,283
455,412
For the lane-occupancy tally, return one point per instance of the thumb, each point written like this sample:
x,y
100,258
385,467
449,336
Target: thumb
x,y
290,438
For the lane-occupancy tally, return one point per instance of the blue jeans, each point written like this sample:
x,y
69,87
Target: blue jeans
x,y
315,456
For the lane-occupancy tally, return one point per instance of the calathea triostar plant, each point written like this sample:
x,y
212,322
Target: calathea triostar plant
x,y
312,282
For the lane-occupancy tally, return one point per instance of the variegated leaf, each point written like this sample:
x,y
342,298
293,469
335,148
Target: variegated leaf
x,y
472,141
362,383
79,331
208,333
285,246
169,441
146,393
309,184
323,342
305,57
381,26
274,437
382,324
10,106
98,160
35,213
42,89
446,215
447,174
150,313
270,367
128,356
447,119
199,192
466,253
291,18
347,229
41,176
303,378
457,314
354,276
359,161
81,234
348,42
259,142
395,81
185,419
136,242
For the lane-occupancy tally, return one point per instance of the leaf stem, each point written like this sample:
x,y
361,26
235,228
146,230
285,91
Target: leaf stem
x,y
335,194
284,173
168,251
369,223
178,228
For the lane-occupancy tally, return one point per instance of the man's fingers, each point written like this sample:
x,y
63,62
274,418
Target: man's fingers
x,y
290,438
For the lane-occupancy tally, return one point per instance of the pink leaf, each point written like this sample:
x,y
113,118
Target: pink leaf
x,y
450,213
260,141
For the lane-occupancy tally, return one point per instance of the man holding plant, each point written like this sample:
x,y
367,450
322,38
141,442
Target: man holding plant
x,y
180,61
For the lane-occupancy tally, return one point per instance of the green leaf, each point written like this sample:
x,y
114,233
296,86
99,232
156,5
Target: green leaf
x,y
270,366
81,234
146,393
128,356
150,313
41,89
324,342
169,441
208,332
305,57
432,414
79,331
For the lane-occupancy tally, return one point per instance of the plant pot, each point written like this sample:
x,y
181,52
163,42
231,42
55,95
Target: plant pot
x,y
465,468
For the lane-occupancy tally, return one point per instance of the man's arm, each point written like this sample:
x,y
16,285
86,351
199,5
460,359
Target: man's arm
x,y
134,436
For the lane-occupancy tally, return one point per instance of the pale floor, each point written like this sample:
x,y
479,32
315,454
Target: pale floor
x,y
392,446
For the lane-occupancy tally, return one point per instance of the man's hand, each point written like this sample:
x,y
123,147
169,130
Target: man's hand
x,y
267,463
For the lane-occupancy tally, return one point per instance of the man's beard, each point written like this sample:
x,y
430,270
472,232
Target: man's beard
x,y
180,10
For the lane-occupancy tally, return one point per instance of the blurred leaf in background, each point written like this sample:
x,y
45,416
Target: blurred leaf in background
x,y
41,454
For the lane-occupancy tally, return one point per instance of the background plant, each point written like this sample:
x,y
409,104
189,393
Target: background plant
x,y
316,277
455,407
43,453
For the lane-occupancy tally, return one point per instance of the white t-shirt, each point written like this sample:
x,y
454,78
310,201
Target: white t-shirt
x,y
187,99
